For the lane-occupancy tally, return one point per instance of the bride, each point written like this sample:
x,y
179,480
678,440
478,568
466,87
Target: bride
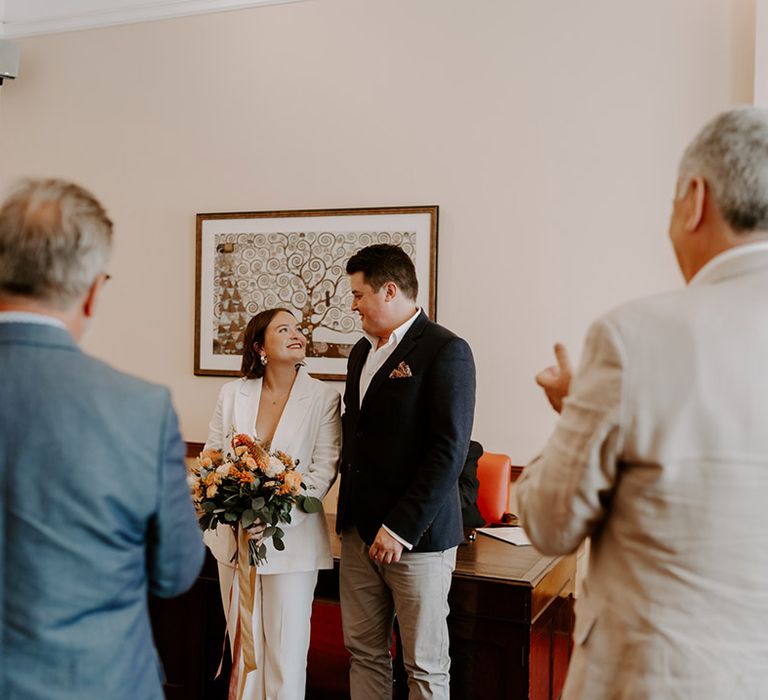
x,y
278,402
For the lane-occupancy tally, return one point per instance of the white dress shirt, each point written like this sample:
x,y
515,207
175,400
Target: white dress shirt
x,y
703,275
377,356
27,317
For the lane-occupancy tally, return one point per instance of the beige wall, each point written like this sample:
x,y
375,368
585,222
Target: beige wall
x,y
548,133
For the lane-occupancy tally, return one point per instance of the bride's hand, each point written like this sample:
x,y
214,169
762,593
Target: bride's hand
x,y
255,532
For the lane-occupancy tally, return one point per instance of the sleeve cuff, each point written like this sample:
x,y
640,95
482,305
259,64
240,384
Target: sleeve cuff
x,y
405,544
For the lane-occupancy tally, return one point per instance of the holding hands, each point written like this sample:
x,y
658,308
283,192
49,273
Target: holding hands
x,y
556,379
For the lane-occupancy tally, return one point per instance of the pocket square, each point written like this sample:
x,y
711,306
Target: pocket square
x,y
401,371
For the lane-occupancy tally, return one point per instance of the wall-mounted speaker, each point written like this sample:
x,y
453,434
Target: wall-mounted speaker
x,y
10,54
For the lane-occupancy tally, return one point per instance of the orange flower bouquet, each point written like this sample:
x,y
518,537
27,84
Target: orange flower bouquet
x,y
246,486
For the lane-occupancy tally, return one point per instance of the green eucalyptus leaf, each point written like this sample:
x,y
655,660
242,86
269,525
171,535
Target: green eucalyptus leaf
x,y
279,544
247,518
310,504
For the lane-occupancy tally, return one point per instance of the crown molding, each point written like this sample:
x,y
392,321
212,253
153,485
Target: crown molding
x,y
122,12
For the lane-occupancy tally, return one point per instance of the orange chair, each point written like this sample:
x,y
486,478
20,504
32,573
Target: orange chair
x,y
494,472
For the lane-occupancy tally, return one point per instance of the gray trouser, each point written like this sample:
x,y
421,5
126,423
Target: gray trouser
x,y
416,588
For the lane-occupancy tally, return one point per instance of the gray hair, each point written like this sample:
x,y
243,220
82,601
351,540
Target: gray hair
x,y
55,239
731,155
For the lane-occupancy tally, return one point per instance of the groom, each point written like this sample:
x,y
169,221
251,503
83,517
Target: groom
x,y
409,405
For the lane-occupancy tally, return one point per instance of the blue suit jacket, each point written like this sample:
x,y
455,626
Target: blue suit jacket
x,y
405,446
94,514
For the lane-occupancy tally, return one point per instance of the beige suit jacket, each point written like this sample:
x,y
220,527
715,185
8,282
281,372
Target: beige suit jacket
x,y
310,431
661,458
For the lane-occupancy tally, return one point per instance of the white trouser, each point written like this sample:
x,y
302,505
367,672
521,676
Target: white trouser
x,y
281,621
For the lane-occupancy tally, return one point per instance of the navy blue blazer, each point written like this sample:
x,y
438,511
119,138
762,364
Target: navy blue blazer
x,y
404,448
94,514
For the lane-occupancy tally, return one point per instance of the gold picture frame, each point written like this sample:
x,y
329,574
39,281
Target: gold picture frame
x,y
250,261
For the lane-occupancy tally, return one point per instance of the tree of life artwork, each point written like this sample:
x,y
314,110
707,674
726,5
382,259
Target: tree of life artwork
x,y
302,271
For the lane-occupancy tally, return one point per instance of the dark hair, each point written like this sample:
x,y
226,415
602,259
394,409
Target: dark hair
x,y
251,367
382,263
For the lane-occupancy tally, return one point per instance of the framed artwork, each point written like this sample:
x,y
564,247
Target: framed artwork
x,y
251,261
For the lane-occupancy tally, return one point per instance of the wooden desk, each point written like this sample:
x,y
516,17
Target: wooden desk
x,y
510,624
510,628
511,621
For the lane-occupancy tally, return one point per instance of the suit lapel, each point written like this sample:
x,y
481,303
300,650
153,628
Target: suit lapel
x,y
407,344
289,425
356,361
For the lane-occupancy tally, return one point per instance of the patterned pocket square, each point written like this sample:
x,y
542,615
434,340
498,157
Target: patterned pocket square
x,y
401,371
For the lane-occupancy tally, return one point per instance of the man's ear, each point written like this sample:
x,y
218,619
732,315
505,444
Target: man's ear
x,y
390,291
89,303
696,201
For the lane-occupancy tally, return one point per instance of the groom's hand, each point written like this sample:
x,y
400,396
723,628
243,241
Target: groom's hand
x,y
385,548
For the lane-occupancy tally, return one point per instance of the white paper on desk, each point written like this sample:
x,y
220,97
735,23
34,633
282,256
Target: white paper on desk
x,y
513,535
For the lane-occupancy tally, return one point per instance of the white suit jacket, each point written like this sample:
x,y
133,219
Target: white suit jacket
x,y
310,431
661,457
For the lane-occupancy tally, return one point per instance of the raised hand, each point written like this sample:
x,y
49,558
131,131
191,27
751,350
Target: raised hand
x,y
556,379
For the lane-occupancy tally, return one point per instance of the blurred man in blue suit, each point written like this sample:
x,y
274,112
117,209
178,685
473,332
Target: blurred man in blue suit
x,y
95,512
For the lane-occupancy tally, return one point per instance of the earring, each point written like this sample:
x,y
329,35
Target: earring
x,y
263,359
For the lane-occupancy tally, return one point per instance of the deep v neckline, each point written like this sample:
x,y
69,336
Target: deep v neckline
x,y
268,443
289,424
283,410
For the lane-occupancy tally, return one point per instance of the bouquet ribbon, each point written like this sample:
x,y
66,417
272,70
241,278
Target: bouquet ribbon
x,y
243,647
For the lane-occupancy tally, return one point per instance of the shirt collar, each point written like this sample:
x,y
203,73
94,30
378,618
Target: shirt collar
x,y
712,267
396,334
26,317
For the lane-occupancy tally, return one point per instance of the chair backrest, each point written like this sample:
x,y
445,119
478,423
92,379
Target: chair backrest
x,y
494,472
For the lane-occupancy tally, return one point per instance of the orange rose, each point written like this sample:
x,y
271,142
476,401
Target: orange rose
x,y
292,480
215,456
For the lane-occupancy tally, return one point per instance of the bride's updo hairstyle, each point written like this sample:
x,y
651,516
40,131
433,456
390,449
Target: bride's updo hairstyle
x,y
253,341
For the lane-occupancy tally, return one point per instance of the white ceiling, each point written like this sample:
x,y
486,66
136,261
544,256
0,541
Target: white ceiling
x,y
29,17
